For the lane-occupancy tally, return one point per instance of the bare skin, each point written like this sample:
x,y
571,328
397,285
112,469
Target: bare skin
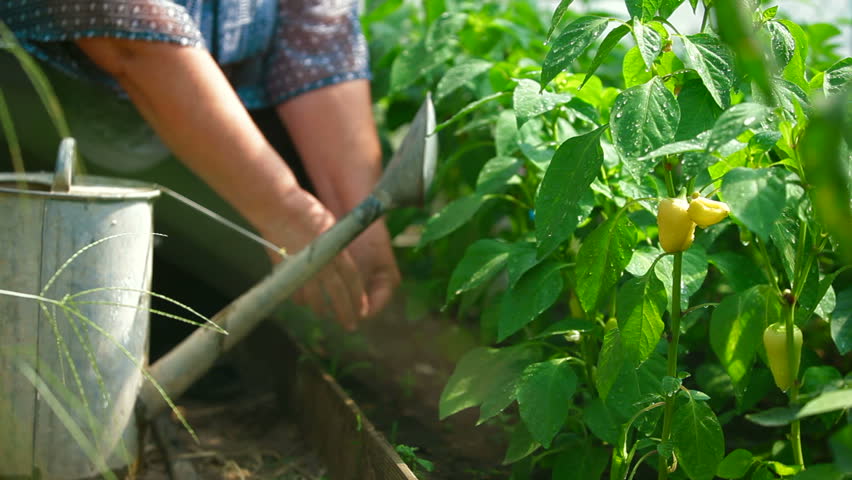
x,y
185,97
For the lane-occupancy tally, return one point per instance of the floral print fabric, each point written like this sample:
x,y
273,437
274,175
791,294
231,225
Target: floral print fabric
x,y
271,50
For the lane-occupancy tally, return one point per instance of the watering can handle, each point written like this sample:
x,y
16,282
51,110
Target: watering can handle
x,y
64,166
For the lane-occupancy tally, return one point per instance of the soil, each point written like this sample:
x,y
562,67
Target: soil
x,y
395,368
238,439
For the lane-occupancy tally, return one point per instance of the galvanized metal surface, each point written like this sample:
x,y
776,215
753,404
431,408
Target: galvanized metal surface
x,y
61,377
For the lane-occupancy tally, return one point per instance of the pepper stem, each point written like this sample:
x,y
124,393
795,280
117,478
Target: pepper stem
x,y
674,327
793,363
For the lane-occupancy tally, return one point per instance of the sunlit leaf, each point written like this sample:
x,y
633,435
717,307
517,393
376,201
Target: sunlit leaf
x,y
643,118
756,197
640,304
485,377
534,293
649,42
601,259
543,392
734,121
481,261
451,217
529,100
609,42
558,14
558,203
736,329
459,76
714,64
698,440
783,44
570,44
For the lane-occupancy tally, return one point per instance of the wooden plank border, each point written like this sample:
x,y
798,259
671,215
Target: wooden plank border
x,y
330,421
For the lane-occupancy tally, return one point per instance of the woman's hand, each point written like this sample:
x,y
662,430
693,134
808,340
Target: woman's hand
x,y
337,290
333,130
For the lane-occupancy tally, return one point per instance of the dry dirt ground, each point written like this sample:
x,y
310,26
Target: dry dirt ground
x,y
239,439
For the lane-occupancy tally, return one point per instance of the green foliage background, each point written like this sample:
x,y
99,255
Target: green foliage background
x,y
559,133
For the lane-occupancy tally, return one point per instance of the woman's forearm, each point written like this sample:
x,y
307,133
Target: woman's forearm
x,y
186,98
334,131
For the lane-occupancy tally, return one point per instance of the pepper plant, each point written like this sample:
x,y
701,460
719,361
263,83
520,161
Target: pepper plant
x,y
645,224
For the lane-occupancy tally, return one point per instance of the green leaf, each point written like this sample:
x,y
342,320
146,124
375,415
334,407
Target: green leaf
x,y
609,42
600,421
693,272
734,121
558,14
644,118
736,330
573,167
703,110
602,258
521,444
756,197
827,169
640,304
668,7
825,471
841,322
534,293
445,30
487,377
482,260
586,462
714,64
497,173
738,269
610,362
570,44
838,77
644,9
522,257
544,393
414,63
530,101
817,378
633,69
827,402
469,108
783,44
773,417
506,133
649,42
841,448
459,76
451,217
737,32
698,440
795,70
736,464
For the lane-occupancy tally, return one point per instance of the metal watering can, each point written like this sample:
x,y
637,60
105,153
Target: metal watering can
x,y
50,351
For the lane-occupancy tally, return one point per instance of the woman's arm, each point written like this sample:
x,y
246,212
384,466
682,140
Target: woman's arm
x,y
186,98
334,132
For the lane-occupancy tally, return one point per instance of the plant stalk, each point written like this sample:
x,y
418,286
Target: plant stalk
x,y
795,426
674,326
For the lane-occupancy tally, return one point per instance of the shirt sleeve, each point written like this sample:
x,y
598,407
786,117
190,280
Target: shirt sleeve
x,y
317,43
47,28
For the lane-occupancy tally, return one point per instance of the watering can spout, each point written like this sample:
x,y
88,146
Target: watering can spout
x,y
404,183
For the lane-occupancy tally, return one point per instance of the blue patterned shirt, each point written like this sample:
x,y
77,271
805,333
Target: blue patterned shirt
x,y
270,50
